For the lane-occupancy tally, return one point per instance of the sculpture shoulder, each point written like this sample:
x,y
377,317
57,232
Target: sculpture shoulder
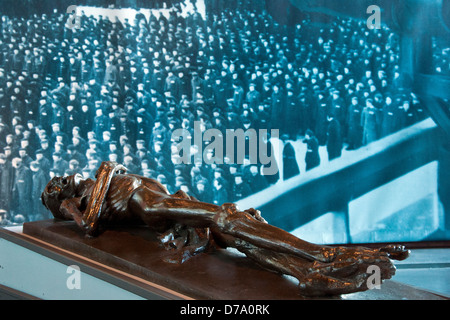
x,y
151,184
125,180
127,183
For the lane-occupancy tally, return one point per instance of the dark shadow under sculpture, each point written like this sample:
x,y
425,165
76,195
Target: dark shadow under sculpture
x,y
188,227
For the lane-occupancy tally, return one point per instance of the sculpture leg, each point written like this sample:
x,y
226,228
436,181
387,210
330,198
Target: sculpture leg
x,y
316,278
224,221
319,269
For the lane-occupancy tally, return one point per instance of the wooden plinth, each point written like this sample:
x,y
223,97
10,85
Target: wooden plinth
x,y
218,275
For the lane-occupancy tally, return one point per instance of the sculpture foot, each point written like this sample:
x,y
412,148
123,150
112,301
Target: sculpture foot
x,y
396,252
352,270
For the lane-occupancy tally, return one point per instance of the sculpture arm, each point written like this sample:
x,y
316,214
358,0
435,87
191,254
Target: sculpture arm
x,y
70,210
94,208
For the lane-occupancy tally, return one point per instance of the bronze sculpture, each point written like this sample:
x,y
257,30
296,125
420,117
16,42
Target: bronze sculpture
x,y
188,227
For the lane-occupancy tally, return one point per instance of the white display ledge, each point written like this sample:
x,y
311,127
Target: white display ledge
x,y
32,269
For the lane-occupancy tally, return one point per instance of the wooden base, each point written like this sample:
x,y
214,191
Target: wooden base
x,y
218,275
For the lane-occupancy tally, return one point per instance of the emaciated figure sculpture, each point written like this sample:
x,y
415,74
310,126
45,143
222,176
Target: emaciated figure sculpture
x,y
190,227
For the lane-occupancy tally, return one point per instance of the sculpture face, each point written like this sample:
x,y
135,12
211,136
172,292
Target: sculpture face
x,y
58,190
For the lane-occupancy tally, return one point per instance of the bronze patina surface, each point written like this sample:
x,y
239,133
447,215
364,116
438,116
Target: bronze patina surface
x,y
185,227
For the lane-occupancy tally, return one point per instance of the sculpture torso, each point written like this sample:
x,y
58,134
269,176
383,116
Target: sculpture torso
x,y
115,209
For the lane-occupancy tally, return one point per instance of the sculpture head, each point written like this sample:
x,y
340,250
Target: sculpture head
x,y
58,190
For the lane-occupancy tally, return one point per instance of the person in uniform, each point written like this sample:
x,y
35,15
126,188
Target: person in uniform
x,y
100,123
240,189
114,125
43,163
220,194
370,119
254,179
334,141
11,145
59,164
290,164
22,189
74,168
40,180
46,150
354,133
26,159
312,157
6,182
202,192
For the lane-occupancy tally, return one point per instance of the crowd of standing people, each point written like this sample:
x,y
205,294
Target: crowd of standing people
x,y
115,90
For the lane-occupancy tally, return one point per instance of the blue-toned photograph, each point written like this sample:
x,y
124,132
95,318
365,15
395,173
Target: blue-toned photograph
x,y
331,118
